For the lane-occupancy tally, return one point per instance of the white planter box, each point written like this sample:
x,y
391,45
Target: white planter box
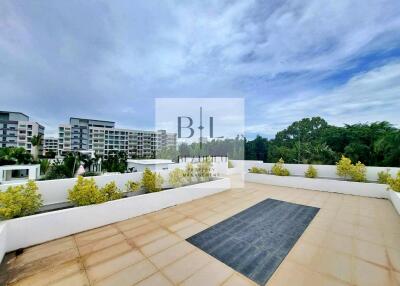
x,y
30,230
324,185
395,198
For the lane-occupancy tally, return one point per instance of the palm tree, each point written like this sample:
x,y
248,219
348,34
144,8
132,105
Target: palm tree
x,y
36,141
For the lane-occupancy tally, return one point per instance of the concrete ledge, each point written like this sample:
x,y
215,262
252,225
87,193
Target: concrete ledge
x,y
30,230
324,185
395,198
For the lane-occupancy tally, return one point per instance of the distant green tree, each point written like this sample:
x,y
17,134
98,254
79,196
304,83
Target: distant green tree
x,y
36,141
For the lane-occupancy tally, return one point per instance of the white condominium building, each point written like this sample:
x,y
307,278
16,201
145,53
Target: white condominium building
x,y
50,144
103,138
16,130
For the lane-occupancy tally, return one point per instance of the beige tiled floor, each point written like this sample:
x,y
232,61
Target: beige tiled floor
x,y
352,241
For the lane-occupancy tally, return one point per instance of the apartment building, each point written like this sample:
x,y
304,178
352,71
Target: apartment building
x,y
104,138
165,139
50,144
16,130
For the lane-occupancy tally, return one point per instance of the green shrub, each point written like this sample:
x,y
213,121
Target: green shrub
x,y
311,172
189,172
357,172
152,181
394,183
132,186
111,192
383,176
279,169
257,170
203,170
176,177
230,165
19,201
344,167
85,192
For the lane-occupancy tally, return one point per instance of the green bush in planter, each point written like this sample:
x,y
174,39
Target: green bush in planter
x,y
189,172
357,172
19,201
111,192
383,176
132,186
86,192
203,170
394,183
344,167
311,172
176,177
279,169
257,170
152,181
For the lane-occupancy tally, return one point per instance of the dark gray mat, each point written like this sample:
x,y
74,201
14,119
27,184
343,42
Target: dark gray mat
x,y
255,241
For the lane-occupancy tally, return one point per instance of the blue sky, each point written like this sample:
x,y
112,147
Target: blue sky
x,y
288,59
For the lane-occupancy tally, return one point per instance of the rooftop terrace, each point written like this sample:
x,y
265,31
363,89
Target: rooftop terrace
x,y
351,241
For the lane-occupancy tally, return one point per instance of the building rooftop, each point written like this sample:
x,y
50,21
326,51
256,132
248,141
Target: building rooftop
x,y
351,241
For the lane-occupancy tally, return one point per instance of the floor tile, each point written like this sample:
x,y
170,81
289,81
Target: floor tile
x,y
172,254
129,275
106,268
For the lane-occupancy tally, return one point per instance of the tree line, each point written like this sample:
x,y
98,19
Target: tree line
x,y
314,141
308,141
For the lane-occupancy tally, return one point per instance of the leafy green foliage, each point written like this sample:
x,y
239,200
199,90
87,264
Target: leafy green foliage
x,y
152,181
18,201
115,162
311,172
132,186
234,148
111,192
167,153
357,172
203,170
176,177
344,167
14,155
394,183
189,172
383,176
85,192
313,141
44,166
279,170
36,141
65,168
258,170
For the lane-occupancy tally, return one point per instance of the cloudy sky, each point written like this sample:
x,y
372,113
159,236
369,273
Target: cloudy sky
x,y
287,59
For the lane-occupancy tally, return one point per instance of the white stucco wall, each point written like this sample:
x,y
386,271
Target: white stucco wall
x,y
324,171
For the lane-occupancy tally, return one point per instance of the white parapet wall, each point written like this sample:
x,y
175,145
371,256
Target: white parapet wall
x,y
395,199
324,171
325,185
30,230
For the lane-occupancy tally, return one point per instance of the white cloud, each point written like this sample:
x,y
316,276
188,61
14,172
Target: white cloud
x,y
120,56
368,97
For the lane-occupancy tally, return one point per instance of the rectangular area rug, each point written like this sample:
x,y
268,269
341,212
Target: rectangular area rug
x,y
255,241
